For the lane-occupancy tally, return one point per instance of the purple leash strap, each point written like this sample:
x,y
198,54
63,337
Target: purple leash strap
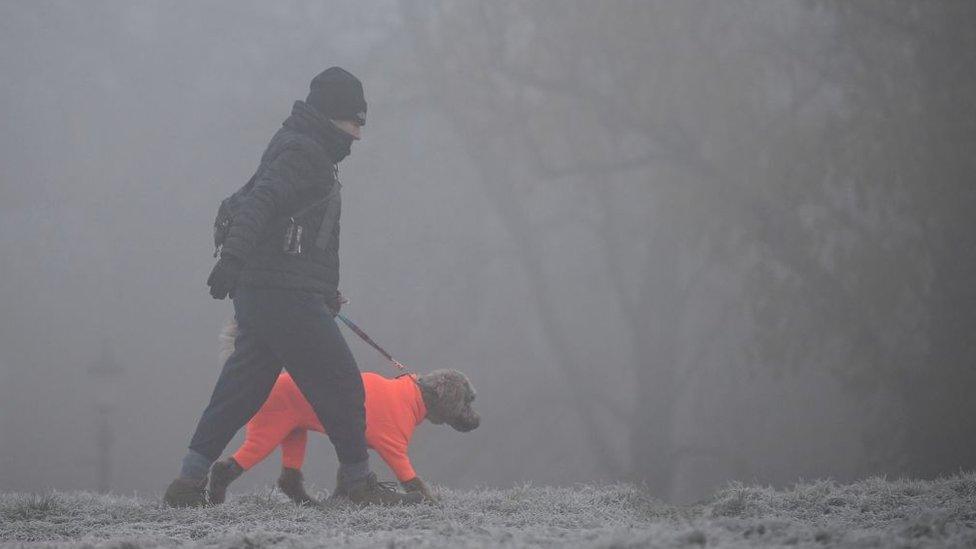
x,y
352,326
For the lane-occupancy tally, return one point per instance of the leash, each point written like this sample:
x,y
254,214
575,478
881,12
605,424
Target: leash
x,y
352,326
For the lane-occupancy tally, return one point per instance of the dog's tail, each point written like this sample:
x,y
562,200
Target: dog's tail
x,y
226,340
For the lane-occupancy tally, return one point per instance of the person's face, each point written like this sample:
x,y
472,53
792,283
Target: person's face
x,y
351,127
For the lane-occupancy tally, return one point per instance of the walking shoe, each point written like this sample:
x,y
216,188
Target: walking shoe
x,y
222,473
186,492
290,483
369,491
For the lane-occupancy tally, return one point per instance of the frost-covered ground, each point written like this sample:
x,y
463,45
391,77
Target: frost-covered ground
x,y
872,513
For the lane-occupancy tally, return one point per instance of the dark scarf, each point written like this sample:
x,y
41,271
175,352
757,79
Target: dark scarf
x,y
307,120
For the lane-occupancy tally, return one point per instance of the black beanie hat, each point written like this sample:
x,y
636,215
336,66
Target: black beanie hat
x,y
338,95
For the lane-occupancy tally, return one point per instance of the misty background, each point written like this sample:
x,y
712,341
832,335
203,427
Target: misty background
x,y
676,243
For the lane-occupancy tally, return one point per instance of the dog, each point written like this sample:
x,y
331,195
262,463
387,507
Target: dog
x,y
394,407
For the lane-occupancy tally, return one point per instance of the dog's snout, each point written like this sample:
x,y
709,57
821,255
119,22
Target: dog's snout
x,y
467,423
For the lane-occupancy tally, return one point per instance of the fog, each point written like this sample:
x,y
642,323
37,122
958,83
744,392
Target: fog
x,y
674,243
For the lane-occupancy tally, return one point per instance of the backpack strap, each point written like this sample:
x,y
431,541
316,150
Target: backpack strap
x,y
335,178
293,233
331,216
333,192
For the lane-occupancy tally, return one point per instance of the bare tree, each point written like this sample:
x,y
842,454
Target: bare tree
x,y
769,147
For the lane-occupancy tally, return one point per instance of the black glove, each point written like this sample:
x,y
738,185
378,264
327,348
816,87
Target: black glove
x,y
223,277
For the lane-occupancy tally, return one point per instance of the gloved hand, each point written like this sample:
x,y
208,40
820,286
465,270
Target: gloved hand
x,y
337,303
417,485
223,277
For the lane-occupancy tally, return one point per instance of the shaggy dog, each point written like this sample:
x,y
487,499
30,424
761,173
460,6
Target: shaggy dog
x,y
394,407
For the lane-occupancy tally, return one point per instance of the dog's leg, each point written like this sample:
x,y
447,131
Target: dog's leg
x,y
416,484
222,473
292,456
291,484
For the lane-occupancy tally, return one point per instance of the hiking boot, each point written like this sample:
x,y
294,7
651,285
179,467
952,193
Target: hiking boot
x,y
291,484
186,492
222,473
369,491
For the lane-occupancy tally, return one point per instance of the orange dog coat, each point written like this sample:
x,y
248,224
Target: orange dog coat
x,y
394,408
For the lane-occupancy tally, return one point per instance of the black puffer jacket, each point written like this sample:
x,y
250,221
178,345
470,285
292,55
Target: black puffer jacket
x,y
297,169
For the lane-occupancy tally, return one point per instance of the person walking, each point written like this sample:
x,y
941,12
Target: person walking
x,y
279,263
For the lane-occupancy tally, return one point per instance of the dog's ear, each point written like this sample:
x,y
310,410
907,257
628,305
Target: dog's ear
x,y
434,387
446,394
440,390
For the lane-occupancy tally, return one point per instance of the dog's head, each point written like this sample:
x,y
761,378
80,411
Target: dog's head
x,y
448,395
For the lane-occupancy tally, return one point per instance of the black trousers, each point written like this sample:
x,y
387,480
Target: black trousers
x,y
294,330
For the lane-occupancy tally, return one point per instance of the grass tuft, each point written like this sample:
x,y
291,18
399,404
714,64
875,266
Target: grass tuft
x,y
29,506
